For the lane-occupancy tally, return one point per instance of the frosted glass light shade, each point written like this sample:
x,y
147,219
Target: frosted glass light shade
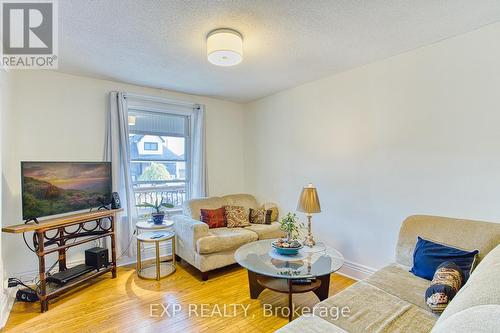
x,y
224,47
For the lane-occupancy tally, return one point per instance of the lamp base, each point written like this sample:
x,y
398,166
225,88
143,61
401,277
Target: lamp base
x,y
309,241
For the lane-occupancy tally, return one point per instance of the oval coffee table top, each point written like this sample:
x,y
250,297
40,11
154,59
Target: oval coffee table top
x,y
261,258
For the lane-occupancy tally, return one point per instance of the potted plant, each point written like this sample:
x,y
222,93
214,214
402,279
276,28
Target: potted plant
x,y
158,213
291,225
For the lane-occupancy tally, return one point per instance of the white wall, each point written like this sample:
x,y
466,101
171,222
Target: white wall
x,y
57,116
415,133
6,295
3,107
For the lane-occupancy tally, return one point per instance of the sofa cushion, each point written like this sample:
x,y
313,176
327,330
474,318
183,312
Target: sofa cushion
x,y
482,288
478,319
491,259
310,324
221,239
374,310
211,261
246,200
192,207
464,234
396,280
266,231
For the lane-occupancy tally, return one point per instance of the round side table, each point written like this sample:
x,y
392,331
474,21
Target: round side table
x,y
159,269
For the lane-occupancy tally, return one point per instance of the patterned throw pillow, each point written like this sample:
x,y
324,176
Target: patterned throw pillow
x,y
448,279
274,210
215,218
236,216
260,216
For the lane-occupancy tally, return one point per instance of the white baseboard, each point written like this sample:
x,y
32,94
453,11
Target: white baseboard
x,y
350,269
356,271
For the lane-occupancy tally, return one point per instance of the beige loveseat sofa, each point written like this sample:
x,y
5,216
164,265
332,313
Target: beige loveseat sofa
x,y
392,299
208,249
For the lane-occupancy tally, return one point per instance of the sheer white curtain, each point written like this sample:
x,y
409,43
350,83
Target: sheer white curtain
x,y
118,152
199,183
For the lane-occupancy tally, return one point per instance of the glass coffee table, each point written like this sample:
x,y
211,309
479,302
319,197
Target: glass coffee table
x,y
289,274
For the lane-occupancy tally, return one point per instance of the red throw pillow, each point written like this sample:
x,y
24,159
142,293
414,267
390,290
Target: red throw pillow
x,y
215,218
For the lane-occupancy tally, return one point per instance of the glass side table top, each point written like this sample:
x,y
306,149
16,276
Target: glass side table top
x,y
155,236
261,258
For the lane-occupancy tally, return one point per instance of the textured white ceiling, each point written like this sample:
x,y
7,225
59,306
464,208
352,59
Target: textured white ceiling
x,y
286,42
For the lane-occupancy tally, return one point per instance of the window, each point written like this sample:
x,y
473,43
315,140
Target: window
x,y
159,157
151,146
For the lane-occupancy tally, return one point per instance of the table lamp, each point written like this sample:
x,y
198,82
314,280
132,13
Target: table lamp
x,y
309,204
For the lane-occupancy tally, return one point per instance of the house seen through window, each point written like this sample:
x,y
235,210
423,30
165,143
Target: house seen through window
x,y
159,161
151,146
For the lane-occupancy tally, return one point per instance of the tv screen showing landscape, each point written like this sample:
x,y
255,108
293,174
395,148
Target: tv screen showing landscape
x,y
50,188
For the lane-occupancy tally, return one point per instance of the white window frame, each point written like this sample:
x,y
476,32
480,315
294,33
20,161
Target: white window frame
x,y
171,107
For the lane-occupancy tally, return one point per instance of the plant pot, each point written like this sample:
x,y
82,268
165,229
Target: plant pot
x,y
158,218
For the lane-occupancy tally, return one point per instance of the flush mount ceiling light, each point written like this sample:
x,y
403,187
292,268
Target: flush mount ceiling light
x,y
224,47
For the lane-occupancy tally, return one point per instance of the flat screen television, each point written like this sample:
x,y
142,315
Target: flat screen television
x,y
51,188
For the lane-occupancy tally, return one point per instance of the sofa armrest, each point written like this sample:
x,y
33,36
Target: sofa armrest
x,y
189,230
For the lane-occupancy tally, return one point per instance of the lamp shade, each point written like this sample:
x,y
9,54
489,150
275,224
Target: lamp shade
x,y
224,47
309,200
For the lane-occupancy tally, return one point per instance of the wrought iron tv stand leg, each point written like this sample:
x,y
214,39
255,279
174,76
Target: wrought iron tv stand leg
x,y
44,304
113,243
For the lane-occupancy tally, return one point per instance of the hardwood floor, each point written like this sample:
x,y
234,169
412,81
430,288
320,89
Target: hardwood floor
x,y
124,305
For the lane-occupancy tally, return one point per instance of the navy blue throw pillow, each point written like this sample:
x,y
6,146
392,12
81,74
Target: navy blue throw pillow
x,y
429,255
